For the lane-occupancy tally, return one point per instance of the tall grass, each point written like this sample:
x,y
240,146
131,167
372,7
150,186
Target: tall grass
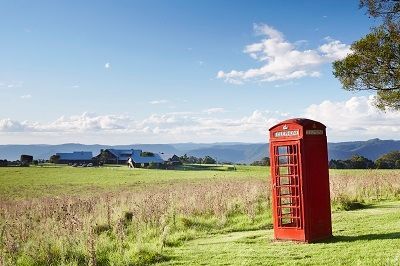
x,y
133,227
126,228
352,189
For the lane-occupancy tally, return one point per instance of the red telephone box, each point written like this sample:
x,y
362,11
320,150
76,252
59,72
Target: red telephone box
x,y
300,180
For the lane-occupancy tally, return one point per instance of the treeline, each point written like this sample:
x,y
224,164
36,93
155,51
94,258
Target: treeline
x,y
390,160
25,160
265,161
197,160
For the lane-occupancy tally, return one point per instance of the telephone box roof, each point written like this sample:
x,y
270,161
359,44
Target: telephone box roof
x,y
304,122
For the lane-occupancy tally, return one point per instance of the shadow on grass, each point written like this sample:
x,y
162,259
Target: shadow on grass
x,y
349,205
369,237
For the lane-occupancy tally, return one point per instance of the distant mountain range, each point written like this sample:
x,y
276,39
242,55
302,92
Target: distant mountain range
x,y
223,152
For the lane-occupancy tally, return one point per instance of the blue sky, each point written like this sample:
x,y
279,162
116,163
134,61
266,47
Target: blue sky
x,y
178,71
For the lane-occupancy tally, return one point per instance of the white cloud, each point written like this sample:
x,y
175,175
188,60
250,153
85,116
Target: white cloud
x,y
285,84
107,65
281,60
169,127
26,96
214,110
12,84
355,118
159,101
80,123
86,122
352,119
334,49
8,125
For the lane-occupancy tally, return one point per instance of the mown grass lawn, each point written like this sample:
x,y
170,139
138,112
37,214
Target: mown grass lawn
x,y
362,237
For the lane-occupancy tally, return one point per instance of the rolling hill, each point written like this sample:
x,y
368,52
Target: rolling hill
x,y
223,152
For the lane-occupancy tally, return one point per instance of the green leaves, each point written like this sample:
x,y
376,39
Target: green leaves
x,y
374,63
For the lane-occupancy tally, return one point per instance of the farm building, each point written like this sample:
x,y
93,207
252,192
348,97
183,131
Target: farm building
x,y
146,158
113,156
171,159
139,158
75,157
26,159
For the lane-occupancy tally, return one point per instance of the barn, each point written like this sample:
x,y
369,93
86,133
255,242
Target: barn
x,y
75,157
144,159
114,156
139,158
171,159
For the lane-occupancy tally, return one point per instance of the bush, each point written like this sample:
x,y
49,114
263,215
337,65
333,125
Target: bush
x,y
344,203
263,162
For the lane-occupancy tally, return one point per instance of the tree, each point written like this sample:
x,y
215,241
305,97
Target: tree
x,y
184,158
103,156
338,164
388,9
208,160
355,162
360,162
389,161
147,154
374,63
265,161
54,158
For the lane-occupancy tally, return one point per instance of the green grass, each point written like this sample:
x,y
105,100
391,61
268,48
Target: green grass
x,y
60,180
32,182
197,215
363,237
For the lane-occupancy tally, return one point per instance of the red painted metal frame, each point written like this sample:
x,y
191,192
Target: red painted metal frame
x,y
300,181
294,229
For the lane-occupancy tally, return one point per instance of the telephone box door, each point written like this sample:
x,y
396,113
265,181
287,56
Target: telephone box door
x,y
287,190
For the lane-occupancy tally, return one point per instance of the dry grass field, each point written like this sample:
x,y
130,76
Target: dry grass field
x,y
115,216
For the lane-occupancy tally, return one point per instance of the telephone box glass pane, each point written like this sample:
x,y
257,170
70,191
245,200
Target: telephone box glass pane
x,y
287,186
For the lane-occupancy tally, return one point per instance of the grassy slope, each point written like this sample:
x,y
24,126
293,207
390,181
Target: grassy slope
x,y
33,182
363,237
